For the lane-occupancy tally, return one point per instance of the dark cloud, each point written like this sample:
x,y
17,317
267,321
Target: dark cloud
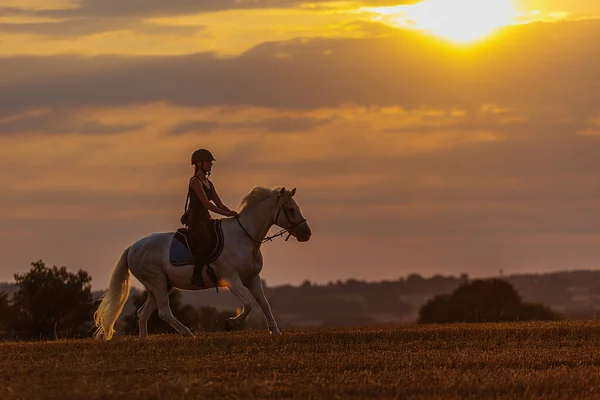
x,y
195,126
519,69
98,200
58,122
70,28
474,121
147,28
292,124
156,8
13,11
26,69
274,125
88,26
98,128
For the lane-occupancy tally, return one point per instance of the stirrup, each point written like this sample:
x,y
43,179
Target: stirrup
x,y
212,275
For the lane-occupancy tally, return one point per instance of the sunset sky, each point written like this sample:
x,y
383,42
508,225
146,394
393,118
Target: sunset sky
x,y
429,137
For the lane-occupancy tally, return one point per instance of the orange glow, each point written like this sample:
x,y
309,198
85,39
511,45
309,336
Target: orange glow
x,y
461,21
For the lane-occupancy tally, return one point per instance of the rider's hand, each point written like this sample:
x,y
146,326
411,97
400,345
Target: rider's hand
x,y
232,214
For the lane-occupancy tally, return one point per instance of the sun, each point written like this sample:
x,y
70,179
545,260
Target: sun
x,y
461,21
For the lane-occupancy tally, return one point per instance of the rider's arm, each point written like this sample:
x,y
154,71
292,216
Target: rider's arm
x,y
197,186
218,201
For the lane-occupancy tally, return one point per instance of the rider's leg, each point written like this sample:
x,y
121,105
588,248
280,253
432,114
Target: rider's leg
x,y
202,236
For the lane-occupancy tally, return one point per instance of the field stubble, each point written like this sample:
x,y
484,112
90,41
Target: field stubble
x,y
510,360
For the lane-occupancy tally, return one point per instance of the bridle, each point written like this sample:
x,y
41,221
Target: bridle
x,y
281,232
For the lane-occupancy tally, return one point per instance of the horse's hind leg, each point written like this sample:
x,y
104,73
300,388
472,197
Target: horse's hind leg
x,y
156,284
164,311
144,312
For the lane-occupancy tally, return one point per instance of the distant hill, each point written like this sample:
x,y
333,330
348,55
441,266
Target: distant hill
x,y
574,294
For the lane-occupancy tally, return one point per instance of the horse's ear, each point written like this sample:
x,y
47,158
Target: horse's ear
x,y
293,192
282,191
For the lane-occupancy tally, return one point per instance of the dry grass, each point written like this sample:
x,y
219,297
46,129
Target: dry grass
x,y
521,360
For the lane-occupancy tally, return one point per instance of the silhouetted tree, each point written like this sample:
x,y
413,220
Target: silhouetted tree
x,y
483,301
5,313
52,303
202,319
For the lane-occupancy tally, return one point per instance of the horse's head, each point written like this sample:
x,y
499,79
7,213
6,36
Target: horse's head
x,y
289,217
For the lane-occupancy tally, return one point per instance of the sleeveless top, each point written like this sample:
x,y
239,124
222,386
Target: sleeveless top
x,y
197,210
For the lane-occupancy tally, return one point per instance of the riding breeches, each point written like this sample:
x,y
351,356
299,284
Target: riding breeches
x,y
199,230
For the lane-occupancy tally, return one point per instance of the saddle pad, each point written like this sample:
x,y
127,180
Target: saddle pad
x,y
183,245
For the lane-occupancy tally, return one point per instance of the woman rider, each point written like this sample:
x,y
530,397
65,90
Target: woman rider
x,y
201,192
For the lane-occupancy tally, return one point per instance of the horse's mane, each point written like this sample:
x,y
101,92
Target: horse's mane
x,y
257,195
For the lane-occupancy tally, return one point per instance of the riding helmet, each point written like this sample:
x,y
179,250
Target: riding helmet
x,y
202,155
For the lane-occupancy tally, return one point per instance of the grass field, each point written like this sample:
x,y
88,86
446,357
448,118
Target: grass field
x,y
513,360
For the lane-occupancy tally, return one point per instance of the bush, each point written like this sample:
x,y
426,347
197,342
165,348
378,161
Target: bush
x,y
51,303
492,300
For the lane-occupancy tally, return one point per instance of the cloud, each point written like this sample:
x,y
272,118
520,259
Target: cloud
x,y
538,169
98,128
58,122
13,11
282,124
23,70
157,8
406,70
89,26
195,126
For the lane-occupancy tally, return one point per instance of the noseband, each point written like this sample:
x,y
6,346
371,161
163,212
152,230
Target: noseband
x,y
281,232
294,225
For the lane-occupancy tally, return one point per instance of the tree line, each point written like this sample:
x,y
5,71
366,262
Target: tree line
x,y
53,303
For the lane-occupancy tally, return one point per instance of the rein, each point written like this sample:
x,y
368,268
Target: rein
x,y
280,233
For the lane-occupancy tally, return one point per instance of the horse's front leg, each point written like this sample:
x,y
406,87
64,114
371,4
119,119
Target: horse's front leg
x,y
256,288
236,287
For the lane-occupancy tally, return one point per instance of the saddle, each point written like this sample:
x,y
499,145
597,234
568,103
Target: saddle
x,y
184,245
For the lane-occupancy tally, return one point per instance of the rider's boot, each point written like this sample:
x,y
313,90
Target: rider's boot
x,y
197,274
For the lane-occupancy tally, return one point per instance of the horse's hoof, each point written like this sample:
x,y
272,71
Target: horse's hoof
x,y
228,326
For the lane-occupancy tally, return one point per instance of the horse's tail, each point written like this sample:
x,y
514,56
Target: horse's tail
x,y
114,299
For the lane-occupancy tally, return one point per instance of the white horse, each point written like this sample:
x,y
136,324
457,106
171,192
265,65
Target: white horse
x,y
238,266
